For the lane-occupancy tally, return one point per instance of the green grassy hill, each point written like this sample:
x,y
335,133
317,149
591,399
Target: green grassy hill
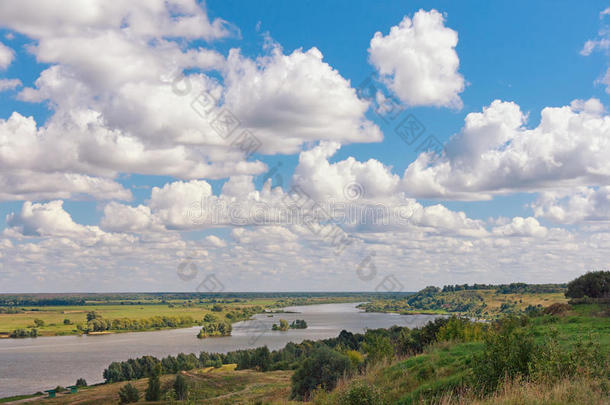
x,y
444,372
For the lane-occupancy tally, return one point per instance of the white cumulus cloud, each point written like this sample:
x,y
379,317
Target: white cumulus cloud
x,y
418,61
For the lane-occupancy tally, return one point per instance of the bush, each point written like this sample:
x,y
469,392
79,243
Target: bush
x,y
377,348
551,362
128,393
507,353
461,330
593,284
322,369
67,321
23,333
81,382
360,393
355,358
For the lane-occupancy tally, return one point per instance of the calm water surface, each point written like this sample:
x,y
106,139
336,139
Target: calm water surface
x,y
35,364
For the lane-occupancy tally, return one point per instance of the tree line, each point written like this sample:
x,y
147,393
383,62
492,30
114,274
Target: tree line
x,y
96,323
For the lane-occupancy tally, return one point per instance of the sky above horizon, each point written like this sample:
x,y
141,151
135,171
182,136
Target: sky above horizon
x,y
292,146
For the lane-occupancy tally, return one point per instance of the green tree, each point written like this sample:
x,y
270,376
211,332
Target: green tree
x,y
91,315
128,393
209,318
593,284
81,382
322,369
377,347
180,387
153,391
262,358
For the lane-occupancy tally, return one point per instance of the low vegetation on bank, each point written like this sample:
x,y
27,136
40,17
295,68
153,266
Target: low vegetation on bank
x,y
284,325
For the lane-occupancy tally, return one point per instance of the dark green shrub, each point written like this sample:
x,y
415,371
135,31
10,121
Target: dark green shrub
x,y
322,369
128,393
81,382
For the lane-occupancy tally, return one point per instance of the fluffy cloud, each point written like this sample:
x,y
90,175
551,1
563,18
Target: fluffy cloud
x,y
6,56
496,154
521,227
155,18
50,220
287,100
44,164
124,218
124,110
346,180
418,61
583,204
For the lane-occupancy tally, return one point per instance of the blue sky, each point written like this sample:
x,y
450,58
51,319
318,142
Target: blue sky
x,y
528,53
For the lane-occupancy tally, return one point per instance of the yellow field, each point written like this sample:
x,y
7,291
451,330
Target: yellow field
x,y
522,300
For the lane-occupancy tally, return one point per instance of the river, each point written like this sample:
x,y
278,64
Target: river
x,y
36,364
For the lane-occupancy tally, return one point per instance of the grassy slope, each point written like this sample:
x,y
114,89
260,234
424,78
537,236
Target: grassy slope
x,y
444,366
